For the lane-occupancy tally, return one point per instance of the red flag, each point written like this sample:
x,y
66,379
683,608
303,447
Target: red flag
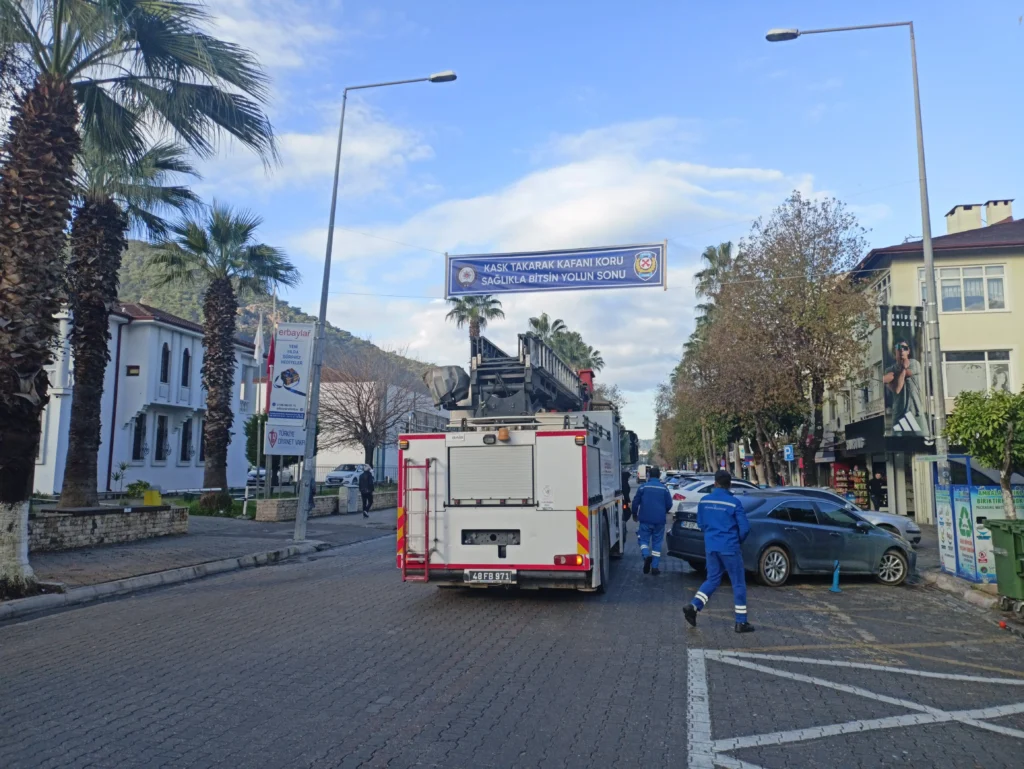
x,y
270,370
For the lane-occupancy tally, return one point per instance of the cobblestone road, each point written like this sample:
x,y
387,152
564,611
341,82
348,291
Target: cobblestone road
x,y
333,662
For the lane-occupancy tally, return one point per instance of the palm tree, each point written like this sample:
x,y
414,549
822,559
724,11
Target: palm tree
x,y
117,70
113,196
546,328
571,348
221,253
709,280
476,311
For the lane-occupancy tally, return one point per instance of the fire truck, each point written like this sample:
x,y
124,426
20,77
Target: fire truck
x,y
524,486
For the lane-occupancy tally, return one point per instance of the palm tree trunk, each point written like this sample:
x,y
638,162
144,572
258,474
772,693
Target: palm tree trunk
x,y
219,310
474,329
35,200
97,243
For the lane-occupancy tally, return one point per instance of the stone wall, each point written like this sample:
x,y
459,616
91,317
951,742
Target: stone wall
x,y
287,509
50,529
382,500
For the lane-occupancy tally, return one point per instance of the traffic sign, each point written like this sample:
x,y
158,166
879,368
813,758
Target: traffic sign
x,y
787,452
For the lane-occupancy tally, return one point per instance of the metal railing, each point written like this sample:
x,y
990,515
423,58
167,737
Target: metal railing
x,y
533,352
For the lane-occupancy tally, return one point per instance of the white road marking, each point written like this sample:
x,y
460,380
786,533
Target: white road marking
x,y
866,666
700,753
705,752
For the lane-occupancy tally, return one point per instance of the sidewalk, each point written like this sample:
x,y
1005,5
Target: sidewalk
x,y
209,539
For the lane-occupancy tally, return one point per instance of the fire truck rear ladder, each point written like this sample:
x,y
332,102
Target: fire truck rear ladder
x,y
416,566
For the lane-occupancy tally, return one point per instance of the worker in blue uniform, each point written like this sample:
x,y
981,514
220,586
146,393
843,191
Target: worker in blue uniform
x,y
651,505
724,522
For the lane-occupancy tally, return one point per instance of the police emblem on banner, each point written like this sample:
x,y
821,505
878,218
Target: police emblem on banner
x,y
645,264
466,275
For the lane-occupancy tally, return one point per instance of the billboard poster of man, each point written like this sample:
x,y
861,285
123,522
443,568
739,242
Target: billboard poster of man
x,y
903,375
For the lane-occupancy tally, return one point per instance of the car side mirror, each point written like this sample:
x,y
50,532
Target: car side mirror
x,y
863,527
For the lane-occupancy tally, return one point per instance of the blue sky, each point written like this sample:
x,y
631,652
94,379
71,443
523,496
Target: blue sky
x,y
593,123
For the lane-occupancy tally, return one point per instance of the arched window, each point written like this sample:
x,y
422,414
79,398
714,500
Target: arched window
x,y
186,367
165,364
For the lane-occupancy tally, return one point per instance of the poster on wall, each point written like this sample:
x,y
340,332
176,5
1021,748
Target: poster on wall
x,y
966,563
946,529
903,371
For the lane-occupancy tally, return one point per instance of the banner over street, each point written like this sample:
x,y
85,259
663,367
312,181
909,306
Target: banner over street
x,y
571,270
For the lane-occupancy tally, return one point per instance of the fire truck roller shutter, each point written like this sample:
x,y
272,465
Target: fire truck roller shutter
x,y
492,474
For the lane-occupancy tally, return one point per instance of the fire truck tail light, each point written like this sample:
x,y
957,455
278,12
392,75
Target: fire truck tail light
x,y
581,440
568,560
403,445
678,497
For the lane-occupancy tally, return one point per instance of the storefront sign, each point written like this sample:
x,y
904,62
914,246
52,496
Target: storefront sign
x,y
946,529
284,441
966,561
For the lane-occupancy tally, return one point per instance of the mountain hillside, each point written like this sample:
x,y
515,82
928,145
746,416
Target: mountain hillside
x,y
140,282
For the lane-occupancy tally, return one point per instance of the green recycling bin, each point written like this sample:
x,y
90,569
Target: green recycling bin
x,y
1008,546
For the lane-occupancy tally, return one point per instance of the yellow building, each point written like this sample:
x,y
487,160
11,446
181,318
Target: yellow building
x,y
979,267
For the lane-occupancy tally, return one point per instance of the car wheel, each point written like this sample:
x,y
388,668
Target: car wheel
x,y
606,557
698,566
774,566
893,569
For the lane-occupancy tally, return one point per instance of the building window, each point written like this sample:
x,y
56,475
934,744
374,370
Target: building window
x,y
139,439
977,371
160,455
969,289
202,440
186,441
883,289
186,367
165,364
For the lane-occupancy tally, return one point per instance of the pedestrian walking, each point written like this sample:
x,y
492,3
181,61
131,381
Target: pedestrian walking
x,y
651,505
366,487
724,522
877,491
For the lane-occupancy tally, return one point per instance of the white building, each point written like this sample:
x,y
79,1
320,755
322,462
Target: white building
x,y
153,408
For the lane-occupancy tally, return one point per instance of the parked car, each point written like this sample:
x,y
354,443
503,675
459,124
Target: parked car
x,y
256,476
694,491
894,524
344,475
795,534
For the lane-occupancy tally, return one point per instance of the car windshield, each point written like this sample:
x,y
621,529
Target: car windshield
x,y
344,468
693,485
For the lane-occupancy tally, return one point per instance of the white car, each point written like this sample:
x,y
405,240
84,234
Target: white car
x,y
693,492
344,475
256,477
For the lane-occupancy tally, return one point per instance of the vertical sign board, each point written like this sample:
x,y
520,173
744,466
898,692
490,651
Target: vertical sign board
x,y
289,390
946,529
966,559
572,270
787,452
986,502
903,375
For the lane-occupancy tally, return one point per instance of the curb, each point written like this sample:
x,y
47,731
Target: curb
x,y
80,595
955,587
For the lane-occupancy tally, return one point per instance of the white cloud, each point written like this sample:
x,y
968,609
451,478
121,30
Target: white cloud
x,y
598,194
282,33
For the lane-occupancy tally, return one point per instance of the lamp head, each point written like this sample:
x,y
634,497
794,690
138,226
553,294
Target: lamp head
x,y
442,77
781,35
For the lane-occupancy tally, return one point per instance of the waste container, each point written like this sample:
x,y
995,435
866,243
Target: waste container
x,y
1008,547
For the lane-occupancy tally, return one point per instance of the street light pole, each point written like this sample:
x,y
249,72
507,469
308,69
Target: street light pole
x,y
931,293
305,500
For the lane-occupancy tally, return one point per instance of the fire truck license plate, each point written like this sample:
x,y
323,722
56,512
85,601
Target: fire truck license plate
x,y
483,577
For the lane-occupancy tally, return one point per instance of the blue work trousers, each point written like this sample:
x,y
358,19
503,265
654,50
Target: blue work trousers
x,y
650,536
719,564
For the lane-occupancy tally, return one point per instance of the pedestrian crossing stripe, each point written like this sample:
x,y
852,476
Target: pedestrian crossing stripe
x,y
583,530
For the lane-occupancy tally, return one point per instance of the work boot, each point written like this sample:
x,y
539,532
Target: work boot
x,y
744,627
690,614
365,514
655,571
647,564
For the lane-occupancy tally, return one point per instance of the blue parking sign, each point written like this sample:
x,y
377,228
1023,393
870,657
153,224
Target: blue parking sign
x,y
787,452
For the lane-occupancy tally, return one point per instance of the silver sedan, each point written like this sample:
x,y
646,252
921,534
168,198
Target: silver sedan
x,y
900,525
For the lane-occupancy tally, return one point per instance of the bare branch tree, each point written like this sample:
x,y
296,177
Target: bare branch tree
x,y
368,401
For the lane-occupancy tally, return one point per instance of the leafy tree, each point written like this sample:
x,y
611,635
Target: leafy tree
x,y
113,196
612,394
990,427
546,328
117,70
221,251
474,311
570,347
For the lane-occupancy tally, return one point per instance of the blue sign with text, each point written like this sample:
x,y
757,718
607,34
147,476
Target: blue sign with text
x,y
573,270
787,452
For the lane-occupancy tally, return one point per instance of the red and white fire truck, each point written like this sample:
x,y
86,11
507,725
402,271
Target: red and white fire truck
x,y
524,487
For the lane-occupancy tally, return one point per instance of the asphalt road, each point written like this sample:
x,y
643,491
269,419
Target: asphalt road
x,y
333,662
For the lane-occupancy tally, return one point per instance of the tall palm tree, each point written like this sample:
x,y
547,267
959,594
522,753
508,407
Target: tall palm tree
x,y
221,252
475,311
113,197
571,348
719,260
546,328
118,70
